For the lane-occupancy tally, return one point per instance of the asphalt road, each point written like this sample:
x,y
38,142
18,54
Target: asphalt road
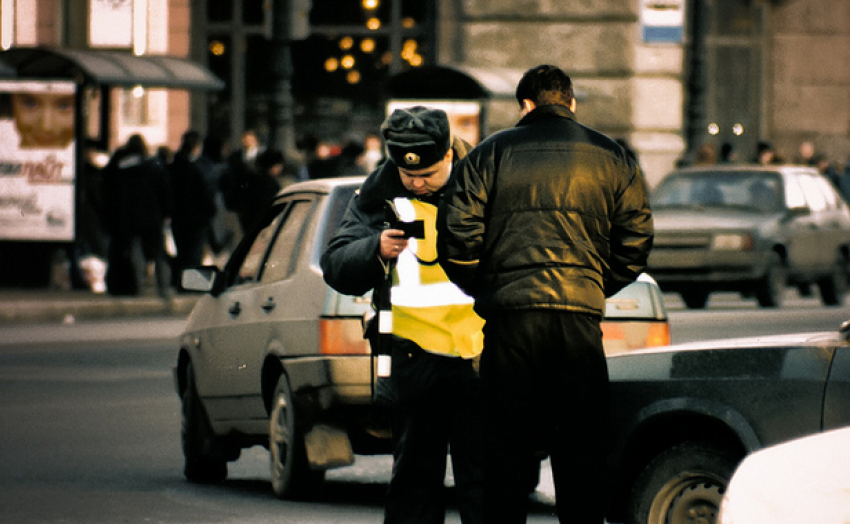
x,y
90,427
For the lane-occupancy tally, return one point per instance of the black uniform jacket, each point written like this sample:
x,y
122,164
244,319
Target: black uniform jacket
x,y
548,214
350,263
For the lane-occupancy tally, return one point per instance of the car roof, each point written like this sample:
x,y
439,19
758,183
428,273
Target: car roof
x,y
320,185
748,168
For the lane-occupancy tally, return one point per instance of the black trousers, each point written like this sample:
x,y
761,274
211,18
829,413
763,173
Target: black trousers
x,y
442,416
546,389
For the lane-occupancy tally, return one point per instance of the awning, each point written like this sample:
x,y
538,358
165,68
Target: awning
x,y
108,68
459,82
454,82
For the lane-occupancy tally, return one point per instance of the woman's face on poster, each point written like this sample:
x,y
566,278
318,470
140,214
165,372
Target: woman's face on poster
x,y
44,120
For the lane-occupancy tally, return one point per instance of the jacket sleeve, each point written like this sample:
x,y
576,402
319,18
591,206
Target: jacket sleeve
x,y
350,264
460,225
631,234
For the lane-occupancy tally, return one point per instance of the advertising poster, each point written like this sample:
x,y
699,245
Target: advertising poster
x,y
37,160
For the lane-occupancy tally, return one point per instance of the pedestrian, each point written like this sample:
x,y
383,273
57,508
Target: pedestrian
x,y
540,223
194,206
765,154
706,155
239,180
317,158
435,336
137,203
728,155
223,226
258,189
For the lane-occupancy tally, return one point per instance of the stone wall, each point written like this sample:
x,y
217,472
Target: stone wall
x,y
627,90
810,76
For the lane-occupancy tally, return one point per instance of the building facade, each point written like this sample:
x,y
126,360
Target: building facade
x,y
737,71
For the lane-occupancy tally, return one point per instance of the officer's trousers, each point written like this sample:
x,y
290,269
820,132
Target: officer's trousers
x,y
546,390
447,418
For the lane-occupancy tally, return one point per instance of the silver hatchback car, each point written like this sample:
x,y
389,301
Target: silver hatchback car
x,y
272,356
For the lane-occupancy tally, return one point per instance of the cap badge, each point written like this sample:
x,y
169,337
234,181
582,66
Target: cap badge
x,y
411,158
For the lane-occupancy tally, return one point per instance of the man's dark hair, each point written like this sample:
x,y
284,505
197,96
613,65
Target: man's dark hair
x,y
545,85
191,139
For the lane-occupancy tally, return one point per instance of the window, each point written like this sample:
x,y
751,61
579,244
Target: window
x,y
253,261
283,255
814,197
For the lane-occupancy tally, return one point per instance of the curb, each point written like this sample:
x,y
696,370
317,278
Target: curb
x,y
23,308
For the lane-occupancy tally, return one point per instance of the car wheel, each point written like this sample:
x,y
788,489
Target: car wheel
x,y
202,463
832,287
683,485
695,298
770,289
290,472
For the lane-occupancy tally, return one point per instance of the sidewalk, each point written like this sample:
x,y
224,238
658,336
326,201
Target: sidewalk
x,y
20,306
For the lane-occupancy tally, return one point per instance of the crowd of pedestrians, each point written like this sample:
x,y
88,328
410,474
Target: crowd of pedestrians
x,y
146,214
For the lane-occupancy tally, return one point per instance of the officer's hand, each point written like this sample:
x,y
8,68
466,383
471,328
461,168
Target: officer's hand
x,y
392,243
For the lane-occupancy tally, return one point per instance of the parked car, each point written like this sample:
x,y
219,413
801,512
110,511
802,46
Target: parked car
x,y
801,481
685,415
272,356
750,229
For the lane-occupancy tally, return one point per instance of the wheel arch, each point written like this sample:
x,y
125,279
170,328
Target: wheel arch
x,y
272,370
180,379
666,424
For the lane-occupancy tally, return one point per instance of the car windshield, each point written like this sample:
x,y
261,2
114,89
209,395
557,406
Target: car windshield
x,y
752,190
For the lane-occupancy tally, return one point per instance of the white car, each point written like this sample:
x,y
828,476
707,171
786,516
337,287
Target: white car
x,y
804,481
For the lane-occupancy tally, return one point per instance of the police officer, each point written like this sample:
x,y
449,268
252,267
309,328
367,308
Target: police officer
x,y
434,334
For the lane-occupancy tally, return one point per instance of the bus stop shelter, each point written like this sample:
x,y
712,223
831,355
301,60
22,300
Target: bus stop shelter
x,y
40,180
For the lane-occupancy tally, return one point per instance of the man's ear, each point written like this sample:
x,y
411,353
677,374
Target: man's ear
x,y
528,105
573,105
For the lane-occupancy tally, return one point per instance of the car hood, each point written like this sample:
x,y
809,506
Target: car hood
x,y
815,338
707,218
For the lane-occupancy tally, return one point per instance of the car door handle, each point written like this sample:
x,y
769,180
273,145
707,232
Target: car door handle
x,y
269,305
235,309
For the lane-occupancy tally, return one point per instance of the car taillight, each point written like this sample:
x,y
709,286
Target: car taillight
x,y
659,334
342,337
618,336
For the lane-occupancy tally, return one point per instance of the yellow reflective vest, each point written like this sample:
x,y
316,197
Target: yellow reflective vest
x,y
427,308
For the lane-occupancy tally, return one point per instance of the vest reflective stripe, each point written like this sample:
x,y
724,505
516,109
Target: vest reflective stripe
x,y
428,308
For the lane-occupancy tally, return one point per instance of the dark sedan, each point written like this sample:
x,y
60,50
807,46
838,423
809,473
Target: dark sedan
x,y
684,416
750,229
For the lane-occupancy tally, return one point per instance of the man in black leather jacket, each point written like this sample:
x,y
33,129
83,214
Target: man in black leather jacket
x,y
540,223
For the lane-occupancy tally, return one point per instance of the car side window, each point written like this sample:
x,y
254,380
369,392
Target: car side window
x,y
283,255
828,192
794,193
813,195
250,266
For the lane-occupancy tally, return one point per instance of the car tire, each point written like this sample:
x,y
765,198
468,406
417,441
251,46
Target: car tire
x,y
204,464
833,286
291,475
770,289
695,298
683,485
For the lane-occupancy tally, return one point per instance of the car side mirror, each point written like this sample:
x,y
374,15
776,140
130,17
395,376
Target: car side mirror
x,y
200,278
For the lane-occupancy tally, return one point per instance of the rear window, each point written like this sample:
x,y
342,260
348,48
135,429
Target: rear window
x,y
339,200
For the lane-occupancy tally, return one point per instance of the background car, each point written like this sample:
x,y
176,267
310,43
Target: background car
x,y
272,356
685,415
750,229
804,480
